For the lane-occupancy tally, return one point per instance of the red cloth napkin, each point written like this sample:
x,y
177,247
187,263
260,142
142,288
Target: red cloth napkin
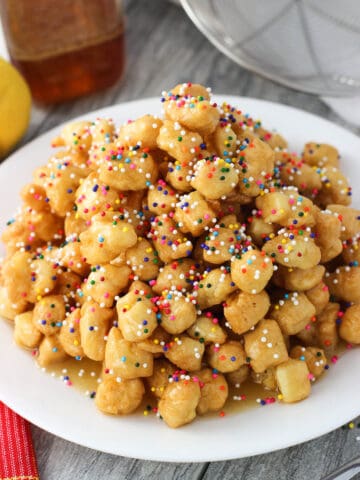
x,y
17,456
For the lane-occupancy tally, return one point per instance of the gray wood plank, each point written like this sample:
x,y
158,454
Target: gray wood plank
x,y
163,49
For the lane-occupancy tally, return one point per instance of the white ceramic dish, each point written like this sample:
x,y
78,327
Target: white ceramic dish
x,y
65,412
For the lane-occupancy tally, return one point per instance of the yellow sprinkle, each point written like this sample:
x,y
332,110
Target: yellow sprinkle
x,y
125,229
351,425
38,298
276,307
146,413
283,240
153,389
76,343
156,341
148,250
162,370
280,397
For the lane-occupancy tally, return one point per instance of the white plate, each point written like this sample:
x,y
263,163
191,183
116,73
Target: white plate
x,y
66,413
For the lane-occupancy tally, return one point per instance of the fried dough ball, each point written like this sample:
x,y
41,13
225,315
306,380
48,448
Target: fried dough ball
x,y
136,316
227,357
177,313
336,187
214,178
26,335
256,163
314,358
260,231
293,313
126,359
344,283
328,230
105,239
156,342
349,218
224,140
162,198
193,214
126,169
252,271
177,275
105,282
48,314
169,241
69,335
292,378
76,136
119,397
326,327
239,376
294,171
74,225
178,403
206,329
265,346
214,287
214,391
186,353
297,279
94,326
70,256
350,325
179,142
50,351
8,308
243,310
292,250
143,131
319,296
321,155
143,259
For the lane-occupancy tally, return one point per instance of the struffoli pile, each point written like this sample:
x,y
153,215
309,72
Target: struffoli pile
x,y
188,254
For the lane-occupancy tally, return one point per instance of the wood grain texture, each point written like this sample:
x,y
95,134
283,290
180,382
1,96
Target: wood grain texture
x,y
163,49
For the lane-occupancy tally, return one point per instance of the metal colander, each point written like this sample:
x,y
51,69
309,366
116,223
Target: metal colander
x,y
310,45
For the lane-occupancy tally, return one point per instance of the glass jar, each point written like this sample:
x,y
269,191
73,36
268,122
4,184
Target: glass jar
x,y
65,48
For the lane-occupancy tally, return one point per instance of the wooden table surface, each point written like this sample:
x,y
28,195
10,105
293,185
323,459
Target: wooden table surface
x,y
163,49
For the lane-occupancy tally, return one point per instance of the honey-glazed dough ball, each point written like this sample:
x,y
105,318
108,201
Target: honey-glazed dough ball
x,y
50,351
286,207
76,136
350,325
224,140
179,142
136,316
260,231
162,198
177,275
125,359
34,196
9,309
344,283
119,397
292,378
296,279
178,313
68,284
74,225
27,278
48,314
255,165
294,171
349,218
328,231
186,353
243,310
335,188
193,112
26,335
293,250
193,214
93,197
206,330
321,155
169,241
179,174
293,312
70,256
178,403
215,178
191,90
265,346
314,358
156,343
69,335
221,243
227,357
105,282
142,131
238,377
214,391
95,323
327,327
126,169
102,131
351,252
214,287
319,296
143,260
252,271
105,239
159,380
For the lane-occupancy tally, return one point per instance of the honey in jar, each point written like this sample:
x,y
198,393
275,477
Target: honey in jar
x,y
65,48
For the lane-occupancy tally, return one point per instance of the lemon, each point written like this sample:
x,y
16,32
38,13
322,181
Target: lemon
x,y
15,104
